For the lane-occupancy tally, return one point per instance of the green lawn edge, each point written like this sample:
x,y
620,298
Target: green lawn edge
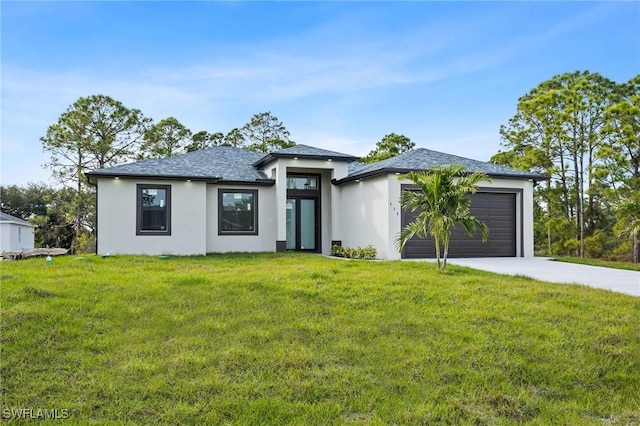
x,y
598,262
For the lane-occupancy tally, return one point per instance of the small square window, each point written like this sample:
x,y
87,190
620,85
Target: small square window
x,y
237,212
153,210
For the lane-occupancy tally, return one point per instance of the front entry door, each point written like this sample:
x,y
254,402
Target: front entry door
x,y
302,223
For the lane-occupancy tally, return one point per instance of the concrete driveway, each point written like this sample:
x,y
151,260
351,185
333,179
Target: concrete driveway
x,y
543,268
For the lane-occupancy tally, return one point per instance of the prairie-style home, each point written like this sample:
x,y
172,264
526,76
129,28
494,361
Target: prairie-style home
x,y
227,199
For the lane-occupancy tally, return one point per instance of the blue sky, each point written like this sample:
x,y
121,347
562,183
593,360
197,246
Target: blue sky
x,y
340,75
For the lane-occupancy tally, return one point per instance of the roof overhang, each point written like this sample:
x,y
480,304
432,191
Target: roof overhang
x,y
400,171
207,179
13,222
275,156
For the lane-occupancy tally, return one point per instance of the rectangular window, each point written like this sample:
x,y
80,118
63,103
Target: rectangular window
x,y
237,212
309,183
154,210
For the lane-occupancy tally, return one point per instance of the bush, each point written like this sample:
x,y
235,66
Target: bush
x,y
622,253
571,247
367,253
599,244
85,243
337,250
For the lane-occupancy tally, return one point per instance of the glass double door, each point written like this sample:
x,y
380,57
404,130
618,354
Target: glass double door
x,y
302,223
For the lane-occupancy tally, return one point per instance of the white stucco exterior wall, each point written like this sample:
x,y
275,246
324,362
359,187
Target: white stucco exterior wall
x,y
365,215
16,236
266,238
117,200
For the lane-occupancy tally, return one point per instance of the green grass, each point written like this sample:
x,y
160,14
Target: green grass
x,y
598,262
301,339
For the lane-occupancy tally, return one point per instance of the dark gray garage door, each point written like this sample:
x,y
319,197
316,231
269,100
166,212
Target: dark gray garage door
x,y
497,210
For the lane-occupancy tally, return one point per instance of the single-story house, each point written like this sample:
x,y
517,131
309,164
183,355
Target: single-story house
x,y
15,234
227,199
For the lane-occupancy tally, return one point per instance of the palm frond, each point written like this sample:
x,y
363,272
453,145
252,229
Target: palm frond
x,y
471,225
443,201
413,229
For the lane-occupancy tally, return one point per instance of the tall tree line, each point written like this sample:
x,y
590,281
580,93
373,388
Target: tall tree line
x,y
583,131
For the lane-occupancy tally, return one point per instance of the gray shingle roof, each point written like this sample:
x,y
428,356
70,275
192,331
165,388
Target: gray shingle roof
x,y
228,164
305,151
423,159
4,217
217,164
355,167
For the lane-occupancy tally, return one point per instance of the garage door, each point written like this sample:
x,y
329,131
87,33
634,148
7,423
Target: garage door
x,y
496,210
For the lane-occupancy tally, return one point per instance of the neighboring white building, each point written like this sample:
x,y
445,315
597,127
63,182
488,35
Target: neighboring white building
x,y
227,199
15,234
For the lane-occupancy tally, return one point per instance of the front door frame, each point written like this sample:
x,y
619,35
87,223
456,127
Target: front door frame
x,y
307,194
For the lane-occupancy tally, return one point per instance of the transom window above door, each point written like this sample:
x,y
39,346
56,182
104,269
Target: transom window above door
x,y
309,183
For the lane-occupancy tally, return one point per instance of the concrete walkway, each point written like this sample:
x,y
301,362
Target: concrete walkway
x,y
543,268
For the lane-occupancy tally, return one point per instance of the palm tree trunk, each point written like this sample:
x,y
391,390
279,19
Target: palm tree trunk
x,y
446,251
438,251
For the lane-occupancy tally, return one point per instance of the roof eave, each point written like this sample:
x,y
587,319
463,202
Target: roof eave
x,y
395,170
272,157
208,179
533,177
368,175
13,222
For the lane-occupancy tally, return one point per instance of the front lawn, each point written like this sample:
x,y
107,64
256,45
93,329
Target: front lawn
x,y
302,339
598,262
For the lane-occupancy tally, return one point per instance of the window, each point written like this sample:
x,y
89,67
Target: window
x,y
237,212
154,210
309,183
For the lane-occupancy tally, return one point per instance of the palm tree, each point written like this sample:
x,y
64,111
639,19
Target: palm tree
x,y
443,202
629,220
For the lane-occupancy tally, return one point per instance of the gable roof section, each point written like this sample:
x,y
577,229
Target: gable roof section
x,y
217,164
306,152
422,159
7,218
